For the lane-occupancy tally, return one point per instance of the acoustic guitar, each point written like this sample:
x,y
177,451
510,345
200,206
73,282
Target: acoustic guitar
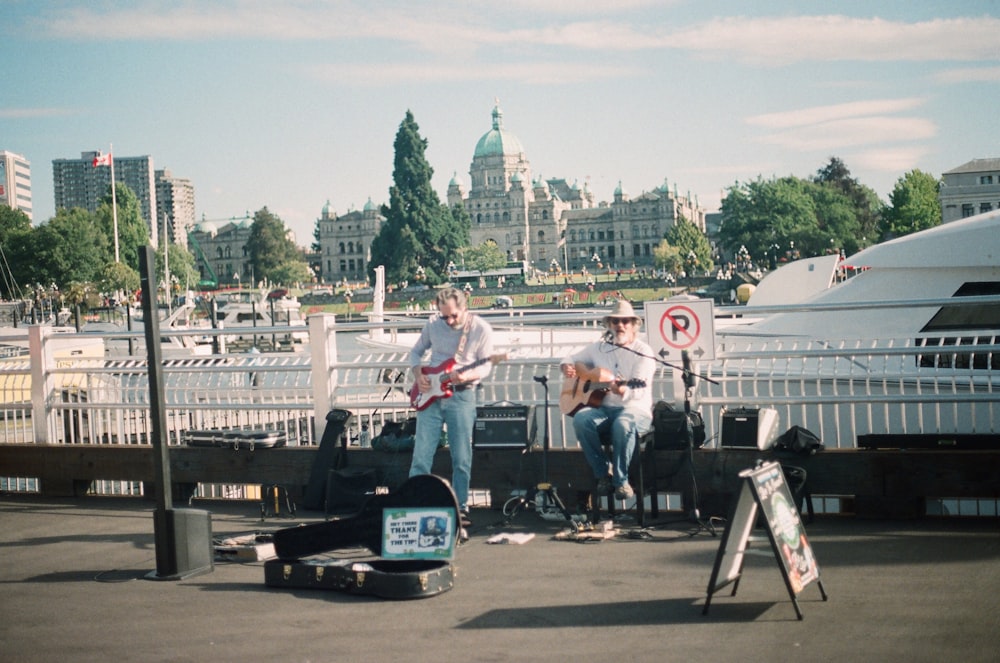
x,y
588,388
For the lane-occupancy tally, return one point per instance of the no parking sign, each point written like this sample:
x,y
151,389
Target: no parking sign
x,y
681,324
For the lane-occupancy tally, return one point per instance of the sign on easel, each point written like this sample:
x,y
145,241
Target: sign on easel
x,y
764,487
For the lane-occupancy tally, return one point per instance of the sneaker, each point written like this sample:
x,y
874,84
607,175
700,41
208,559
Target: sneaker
x,y
604,486
463,535
463,518
624,491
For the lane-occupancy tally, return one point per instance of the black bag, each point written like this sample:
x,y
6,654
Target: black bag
x,y
799,440
396,436
348,489
676,430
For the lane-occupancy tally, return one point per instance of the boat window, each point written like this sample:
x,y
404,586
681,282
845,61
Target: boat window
x,y
962,318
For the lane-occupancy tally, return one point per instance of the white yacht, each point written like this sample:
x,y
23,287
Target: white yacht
x,y
245,310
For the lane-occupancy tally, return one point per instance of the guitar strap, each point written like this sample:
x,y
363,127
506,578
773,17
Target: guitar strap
x,y
465,337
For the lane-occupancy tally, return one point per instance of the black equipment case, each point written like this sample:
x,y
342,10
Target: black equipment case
x,y
236,438
384,578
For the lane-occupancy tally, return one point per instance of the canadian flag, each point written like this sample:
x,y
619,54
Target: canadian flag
x,y
102,160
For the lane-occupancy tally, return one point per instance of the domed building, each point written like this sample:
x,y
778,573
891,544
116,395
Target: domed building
x,y
219,249
548,223
552,222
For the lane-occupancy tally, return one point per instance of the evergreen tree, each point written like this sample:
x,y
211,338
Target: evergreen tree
x,y
269,246
419,231
866,204
913,205
691,244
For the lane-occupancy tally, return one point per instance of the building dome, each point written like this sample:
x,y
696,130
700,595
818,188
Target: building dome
x,y
454,179
326,210
245,222
516,177
619,191
207,227
497,141
369,206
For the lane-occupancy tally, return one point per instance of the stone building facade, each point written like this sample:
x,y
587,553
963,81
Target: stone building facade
x,y
972,188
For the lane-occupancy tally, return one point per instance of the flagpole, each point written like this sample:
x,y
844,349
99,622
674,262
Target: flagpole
x,y
114,200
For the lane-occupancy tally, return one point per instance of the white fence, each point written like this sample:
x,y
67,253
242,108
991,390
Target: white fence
x,y
946,385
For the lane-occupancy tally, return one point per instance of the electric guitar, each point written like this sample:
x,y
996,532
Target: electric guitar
x,y
588,388
441,386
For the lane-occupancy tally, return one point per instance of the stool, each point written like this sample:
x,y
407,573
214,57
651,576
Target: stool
x,y
639,486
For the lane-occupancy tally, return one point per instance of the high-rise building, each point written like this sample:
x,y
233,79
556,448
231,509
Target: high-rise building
x,y
78,183
15,182
174,206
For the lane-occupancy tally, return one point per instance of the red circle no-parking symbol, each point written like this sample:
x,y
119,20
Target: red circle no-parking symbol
x,y
680,327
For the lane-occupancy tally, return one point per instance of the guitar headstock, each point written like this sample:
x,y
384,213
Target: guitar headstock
x,y
502,356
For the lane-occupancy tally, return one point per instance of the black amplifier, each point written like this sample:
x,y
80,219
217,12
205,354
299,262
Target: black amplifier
x,y
501,427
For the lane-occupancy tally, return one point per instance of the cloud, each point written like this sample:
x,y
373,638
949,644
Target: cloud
x,y
837,134
548,73
785,40
890,159
819,114
968,75
457,27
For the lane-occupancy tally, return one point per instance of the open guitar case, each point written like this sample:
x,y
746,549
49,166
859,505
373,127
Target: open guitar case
x,y
302,562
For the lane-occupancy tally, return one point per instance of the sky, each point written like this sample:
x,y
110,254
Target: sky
x,y
292,104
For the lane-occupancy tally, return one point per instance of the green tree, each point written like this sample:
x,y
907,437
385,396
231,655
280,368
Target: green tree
x,y
865,202
668,257
68,247
119,277
16,260
689,241
484,257
183,271
789,216
133,232
269,246
913,205
419,231
291,273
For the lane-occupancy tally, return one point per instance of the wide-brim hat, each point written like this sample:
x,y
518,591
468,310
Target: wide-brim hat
x,y
622,309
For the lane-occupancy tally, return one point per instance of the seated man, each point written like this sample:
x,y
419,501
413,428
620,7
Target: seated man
x,y
625,365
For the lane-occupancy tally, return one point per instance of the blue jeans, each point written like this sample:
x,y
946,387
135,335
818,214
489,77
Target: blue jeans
x,y
459,414
614,423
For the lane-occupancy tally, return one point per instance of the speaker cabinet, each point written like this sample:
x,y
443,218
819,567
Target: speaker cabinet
x,y
748,428
183,543
501,427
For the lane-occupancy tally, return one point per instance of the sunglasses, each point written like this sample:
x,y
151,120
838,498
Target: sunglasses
x,y
620,321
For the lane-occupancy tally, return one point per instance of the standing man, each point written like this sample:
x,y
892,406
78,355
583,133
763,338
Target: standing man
x,y
618,358
452,334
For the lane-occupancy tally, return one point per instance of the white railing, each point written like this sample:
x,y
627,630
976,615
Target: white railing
x,y
838,392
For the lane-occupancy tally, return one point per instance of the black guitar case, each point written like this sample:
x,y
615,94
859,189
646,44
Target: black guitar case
x,y
385,578
327,458
365,527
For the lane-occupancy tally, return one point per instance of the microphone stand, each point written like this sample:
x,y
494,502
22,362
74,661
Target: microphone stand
x,y
545,488
688,380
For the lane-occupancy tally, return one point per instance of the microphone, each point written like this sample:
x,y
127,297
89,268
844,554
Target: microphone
x,y
540,379
609,336
688,375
